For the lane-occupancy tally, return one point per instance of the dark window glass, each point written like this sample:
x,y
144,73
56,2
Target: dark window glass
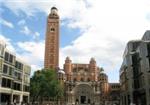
x,y
148,51
16,63
19,76
4,82
52,29
11,58
136,84
15,74
26,88
17,86
6,56
19,65
70,89
5,69
14,86
9,83
10,70
136,65
148,48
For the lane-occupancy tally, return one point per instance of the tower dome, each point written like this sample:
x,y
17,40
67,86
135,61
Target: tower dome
x,y
54,8
67,58
54,12
92,60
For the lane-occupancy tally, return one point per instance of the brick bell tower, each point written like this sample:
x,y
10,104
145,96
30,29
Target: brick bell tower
x,y
52,40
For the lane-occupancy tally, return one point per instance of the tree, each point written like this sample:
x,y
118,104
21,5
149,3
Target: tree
x,y
44,83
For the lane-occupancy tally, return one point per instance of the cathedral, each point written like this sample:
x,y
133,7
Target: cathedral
x,y
84,84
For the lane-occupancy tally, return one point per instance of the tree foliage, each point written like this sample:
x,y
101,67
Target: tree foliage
x,y
43,84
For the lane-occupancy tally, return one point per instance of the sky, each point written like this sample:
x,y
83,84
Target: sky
x,y
88,28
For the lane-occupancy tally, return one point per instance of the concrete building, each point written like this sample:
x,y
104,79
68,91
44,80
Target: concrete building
x,y
51,60
135,72
14,77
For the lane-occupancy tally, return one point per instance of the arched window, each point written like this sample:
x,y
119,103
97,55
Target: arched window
x,y
82,79
52,29
74,79
88,79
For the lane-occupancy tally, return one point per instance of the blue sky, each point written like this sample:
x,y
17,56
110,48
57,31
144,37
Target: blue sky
x,y
89,28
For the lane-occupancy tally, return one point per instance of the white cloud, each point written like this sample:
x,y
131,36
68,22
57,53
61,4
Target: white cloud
x,y
22,22
106,26
6,23
32,53
26,31
35,48
36,35
20,6
7,41
106,50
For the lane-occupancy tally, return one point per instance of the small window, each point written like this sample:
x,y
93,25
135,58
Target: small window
x,y
10,70
82,79
5,69
4,83
11,58
6,56
52,29
17,86
74,70
19,65
70,89
74,79
88,79
9,83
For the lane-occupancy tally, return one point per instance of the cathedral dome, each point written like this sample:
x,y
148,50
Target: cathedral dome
x,y
61,71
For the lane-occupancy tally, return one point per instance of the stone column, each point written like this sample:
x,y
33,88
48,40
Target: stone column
x,y
11,97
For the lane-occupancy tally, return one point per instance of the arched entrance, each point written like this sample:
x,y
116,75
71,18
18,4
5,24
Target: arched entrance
x,y
83,94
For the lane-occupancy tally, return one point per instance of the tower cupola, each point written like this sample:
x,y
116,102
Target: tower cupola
x,y
92,61
54,11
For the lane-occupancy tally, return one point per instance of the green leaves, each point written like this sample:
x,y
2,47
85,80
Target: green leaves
x,y
44,83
